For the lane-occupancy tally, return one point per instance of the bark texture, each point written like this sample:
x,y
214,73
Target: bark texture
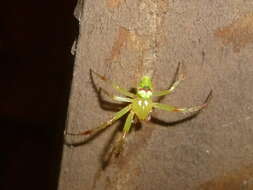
x,y
125,39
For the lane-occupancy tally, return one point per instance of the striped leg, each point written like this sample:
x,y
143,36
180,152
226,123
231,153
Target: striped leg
x,y
118,115
117,148
123,91
180,77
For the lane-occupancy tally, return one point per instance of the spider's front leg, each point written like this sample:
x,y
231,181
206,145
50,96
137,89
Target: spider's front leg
x,y
180,77
116,98
123,91
118,115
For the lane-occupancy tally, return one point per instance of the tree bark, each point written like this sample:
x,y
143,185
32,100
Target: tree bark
x,y
124,40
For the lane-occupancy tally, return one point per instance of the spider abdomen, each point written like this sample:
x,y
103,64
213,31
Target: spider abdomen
x,y
142,107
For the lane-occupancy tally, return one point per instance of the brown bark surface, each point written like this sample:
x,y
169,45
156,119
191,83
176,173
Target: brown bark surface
x,y
124,40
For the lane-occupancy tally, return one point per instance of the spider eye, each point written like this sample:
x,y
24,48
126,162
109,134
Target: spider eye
x,y
146,88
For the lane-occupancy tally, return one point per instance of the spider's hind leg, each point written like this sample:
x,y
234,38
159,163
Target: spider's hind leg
x,y
117,147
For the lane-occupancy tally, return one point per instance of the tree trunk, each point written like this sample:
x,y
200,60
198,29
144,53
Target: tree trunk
x,y
126,39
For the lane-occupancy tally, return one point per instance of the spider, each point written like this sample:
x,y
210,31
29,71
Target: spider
x,y
139,105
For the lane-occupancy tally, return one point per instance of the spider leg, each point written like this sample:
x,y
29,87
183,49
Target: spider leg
x,y
118,115
116,98
123,91
180,77
184,110
120,142
176,109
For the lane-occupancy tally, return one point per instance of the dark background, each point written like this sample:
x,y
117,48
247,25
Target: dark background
x,y
36,70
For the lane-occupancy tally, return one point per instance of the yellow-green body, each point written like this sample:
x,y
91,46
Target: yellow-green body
x,y
142,107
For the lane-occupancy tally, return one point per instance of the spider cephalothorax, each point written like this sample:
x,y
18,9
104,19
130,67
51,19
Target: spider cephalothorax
x,y
140,105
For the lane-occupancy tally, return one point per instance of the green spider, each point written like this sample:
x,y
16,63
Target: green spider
x,y
140,105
